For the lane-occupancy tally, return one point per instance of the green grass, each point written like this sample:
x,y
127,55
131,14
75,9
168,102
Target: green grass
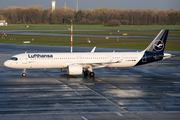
x,y
172,45
86,27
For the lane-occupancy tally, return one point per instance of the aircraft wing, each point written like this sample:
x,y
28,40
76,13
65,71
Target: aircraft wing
x,y
97,65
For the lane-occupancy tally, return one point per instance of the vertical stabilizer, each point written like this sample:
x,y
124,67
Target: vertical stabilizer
x,y
155,50
159,42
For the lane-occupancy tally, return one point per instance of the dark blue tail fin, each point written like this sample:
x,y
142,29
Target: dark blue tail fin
x,y
159,42
155,50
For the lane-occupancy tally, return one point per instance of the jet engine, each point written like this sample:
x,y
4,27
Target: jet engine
x,y
75,70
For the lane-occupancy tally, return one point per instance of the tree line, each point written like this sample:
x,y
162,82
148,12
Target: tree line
x,y
37,15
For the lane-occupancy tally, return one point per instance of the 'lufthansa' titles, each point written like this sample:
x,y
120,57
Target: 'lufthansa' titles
x,y
39,56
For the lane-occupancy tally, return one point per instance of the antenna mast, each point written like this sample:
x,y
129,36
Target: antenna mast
x,y
71,35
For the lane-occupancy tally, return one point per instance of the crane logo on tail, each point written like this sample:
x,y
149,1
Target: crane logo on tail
x,y
158,45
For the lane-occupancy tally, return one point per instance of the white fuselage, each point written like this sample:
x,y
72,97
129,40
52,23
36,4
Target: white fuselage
x,y
62,60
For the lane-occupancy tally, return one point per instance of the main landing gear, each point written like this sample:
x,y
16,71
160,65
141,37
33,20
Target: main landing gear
x,y
86,73
24,73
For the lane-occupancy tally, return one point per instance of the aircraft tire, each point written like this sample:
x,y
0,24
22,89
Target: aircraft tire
x,y
24,75
91,74
86,72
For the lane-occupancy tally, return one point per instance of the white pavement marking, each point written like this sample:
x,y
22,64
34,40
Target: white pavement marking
x,y
119,114
84,118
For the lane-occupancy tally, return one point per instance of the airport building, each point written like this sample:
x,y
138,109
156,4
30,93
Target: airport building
x,y
3,23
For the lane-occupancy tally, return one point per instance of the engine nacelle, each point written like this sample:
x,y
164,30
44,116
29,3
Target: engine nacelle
x,y
75,70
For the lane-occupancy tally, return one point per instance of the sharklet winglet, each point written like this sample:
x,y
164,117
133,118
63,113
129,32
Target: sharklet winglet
x,y
92,51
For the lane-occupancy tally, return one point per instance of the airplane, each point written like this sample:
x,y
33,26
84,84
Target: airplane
x,y
79,63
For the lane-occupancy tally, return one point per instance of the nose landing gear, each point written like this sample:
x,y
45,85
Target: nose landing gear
x,y
24,73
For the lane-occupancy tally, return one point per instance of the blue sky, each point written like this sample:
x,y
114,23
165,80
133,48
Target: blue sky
x,y
92,4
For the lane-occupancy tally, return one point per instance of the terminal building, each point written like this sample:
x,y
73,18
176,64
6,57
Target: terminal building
x,y
3,23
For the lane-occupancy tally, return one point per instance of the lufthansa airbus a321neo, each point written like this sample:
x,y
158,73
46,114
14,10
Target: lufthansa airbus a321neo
x,y
79,63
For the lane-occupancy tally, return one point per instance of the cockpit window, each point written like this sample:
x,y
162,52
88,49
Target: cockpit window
x,y
14,58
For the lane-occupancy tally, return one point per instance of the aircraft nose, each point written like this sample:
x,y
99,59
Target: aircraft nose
x,y
6,63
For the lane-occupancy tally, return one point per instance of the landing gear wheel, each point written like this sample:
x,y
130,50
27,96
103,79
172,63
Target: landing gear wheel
x,y
24,74
86,73
91,74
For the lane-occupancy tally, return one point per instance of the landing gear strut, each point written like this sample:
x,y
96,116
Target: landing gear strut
x,y
24,73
